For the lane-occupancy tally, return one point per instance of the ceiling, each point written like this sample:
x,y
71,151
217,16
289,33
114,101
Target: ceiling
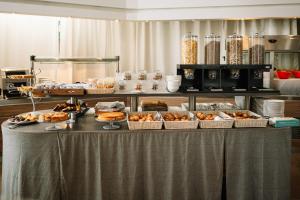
x,y
160,4
156,9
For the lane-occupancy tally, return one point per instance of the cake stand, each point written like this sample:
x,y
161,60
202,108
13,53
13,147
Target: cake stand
x,y
111,125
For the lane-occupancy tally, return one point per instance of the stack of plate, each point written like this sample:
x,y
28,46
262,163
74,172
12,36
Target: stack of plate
x,y
269,107
274,108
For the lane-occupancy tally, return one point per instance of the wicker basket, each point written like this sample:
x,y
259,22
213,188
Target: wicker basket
x,y
243,123
134,125
39,93
192,124
100,90
225,122
65,92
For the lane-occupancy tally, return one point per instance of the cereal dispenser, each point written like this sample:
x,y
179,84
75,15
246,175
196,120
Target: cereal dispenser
x,y
256,50
212,49
256,55
189,53
211,74
234,49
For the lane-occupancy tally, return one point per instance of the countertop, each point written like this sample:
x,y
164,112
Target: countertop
x,y
9,102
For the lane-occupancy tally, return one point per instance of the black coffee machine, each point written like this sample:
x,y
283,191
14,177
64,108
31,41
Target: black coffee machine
x,y
222,77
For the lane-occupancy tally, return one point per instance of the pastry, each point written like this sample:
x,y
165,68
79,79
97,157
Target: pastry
x,y
25,89
66,107
111,116
142,117
106,83
24,118
106,86
241,115
176,117
202,116
20,76
54,117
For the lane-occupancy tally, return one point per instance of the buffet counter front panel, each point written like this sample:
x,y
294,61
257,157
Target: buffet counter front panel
x,y
88,162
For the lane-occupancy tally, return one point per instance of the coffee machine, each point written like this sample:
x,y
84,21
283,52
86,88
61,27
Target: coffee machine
x,y
222,77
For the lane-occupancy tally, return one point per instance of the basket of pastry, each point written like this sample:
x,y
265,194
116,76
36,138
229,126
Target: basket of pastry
x,y
246,118
144,120
103,86
213,119
53,117
179,120
32,91
38,93
66,92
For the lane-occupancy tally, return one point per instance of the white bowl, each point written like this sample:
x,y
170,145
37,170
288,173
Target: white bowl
x,y
173,77
172,86
172,89
177,82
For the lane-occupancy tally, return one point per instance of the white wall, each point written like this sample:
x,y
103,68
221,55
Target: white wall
x,y
62,10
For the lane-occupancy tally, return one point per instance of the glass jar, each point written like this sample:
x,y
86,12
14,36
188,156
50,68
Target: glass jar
x,y
157,75
138,86
142,75
256,50
189,49
155,85
127,76
122,84
234,49
212,49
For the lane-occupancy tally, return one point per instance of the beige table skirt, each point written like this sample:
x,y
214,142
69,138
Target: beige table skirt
x,y
91,163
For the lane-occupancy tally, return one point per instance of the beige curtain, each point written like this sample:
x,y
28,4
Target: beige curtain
x,y
140,45
156,44
23,35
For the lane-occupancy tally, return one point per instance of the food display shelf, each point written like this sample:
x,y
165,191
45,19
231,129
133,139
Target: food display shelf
x,y
134,97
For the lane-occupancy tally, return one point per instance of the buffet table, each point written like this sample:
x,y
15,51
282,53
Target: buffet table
x,y
87,162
